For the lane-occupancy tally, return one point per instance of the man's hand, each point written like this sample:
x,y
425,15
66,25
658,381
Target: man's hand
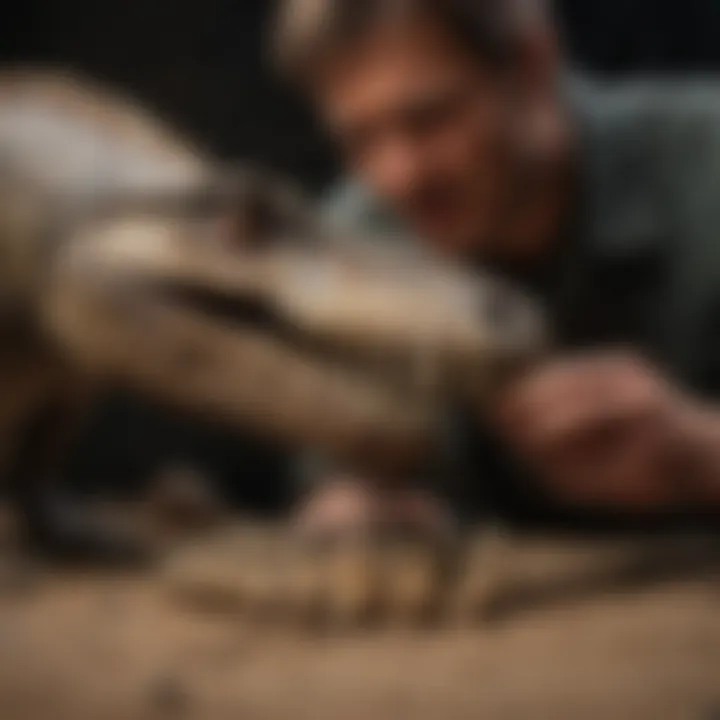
x,y
610,430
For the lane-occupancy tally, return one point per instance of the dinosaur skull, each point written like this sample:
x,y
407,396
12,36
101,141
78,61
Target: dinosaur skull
x,y
149,265
240,308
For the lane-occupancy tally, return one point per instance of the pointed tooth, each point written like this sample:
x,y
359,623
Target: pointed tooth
x,y
352,583
208,582
303,588
262,577
413,582
484,576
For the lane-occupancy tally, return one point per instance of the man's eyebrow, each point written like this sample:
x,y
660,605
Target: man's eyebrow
x,y
441,96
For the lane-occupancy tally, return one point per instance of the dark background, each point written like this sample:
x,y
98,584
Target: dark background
x,y
201,62
201,65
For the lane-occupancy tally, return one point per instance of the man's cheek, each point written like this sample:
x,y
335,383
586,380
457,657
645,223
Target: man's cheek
x,y
466,208
447,216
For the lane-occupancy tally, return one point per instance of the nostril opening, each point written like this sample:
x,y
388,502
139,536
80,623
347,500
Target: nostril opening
x,y
255,223
498,309
211,303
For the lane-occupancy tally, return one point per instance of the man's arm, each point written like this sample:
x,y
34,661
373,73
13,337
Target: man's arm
x,y
703,440
608,429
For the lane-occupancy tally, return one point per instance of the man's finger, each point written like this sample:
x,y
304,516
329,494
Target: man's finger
x,y
568,400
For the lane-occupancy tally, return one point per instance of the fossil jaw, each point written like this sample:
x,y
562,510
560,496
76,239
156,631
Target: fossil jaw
x,y
162,303
119,320
156,259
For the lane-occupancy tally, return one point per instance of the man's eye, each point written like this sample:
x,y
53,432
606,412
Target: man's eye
x,y
354,143
427,117
432,114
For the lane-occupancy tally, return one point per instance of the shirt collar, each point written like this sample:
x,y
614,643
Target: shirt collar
x,y
620,212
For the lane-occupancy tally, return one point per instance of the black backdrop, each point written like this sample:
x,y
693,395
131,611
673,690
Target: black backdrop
x,y
200,63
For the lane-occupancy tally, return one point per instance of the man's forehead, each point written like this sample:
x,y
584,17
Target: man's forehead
x,y
392,62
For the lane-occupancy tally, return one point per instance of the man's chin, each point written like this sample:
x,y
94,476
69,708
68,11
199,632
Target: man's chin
x,y
451,237
460,246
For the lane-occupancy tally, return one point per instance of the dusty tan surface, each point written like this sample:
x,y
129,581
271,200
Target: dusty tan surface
x,y
112,649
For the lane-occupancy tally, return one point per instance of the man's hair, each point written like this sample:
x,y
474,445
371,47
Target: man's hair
x,y
307,32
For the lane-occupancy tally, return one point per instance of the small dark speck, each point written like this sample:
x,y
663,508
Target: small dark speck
x,y
189,359
169,697
18,580
110,605
9,637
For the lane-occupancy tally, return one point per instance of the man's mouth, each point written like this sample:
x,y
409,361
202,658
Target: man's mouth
x,y
436,214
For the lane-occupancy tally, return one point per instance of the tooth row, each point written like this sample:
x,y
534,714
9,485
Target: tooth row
x,y
398,583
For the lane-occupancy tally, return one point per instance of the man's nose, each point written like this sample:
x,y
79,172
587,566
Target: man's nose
x,y
401,168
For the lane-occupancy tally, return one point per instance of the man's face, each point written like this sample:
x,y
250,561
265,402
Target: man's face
x,y
427,130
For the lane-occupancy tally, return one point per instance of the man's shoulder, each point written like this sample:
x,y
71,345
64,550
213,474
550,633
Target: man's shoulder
x,y
653,191
670,127
642,102
651,161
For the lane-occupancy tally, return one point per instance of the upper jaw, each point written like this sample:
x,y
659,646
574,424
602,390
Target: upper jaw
x,y
244,332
